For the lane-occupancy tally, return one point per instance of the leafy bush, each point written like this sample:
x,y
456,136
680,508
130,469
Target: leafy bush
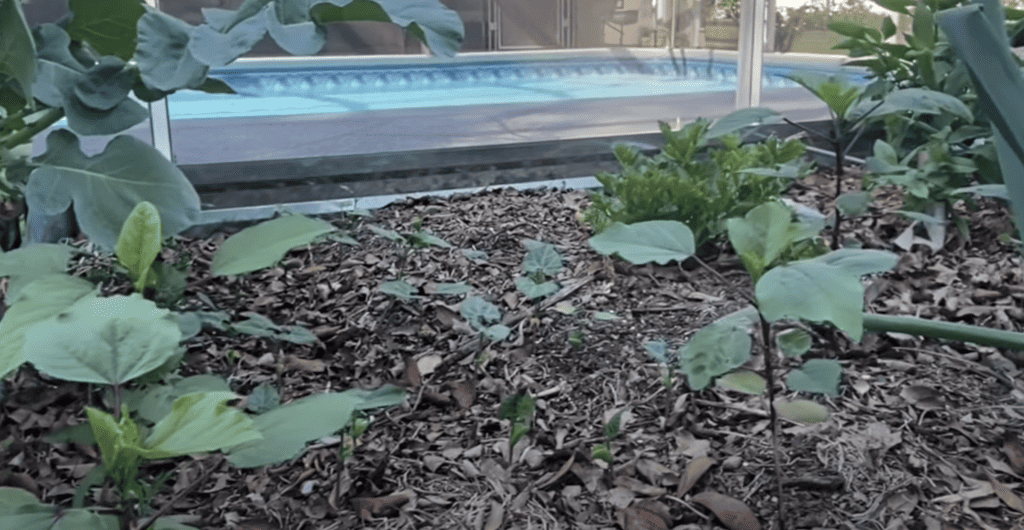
x,y
692,182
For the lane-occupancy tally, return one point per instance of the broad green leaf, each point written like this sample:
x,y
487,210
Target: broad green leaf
x,y
998,191
83,519
17,49
107,340
836,91
162,54
854,203
918,100
820,376
613,428
793,342
716,349
479,312
263,398
741,119
13,500
26,264
260,326
519,431
859,262
37,302
924,25
108,26
543,258
518,407
263,245
762,236
157,402
496,332
400,288
999,84
199,423
106,187
288,428
601,452
139,242
639,243
801,410
813,291
533,289
888,27
170,522
743,381
118,440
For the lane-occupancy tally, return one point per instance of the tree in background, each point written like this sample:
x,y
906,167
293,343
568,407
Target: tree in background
x,y
816,16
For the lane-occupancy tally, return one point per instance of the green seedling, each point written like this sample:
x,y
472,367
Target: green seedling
x,y
577,337
542,262
484,317
660,352
418,239
792,285
612,430
518,409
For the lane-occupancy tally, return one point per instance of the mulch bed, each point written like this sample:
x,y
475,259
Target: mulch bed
x,y
924,435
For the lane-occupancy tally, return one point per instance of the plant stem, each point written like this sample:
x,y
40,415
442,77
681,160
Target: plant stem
x,y
117,402
938,329
769,376
25,135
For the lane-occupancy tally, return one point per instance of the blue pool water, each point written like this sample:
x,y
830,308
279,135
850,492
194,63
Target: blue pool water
x,y
281,92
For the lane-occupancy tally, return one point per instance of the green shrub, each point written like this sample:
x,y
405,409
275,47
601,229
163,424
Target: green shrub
x,y
692,182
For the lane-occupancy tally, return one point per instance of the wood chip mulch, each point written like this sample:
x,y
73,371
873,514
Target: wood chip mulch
x,y
924,436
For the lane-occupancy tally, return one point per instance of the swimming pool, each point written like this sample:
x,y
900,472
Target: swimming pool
x,y
270,91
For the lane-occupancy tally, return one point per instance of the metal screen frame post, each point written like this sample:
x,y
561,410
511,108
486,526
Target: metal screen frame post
x,y
751,59
160,117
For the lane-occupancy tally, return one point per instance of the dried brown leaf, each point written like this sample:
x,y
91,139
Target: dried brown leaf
x,y
412,372
1014,451
464,393
305,365
1006,494
647,515
923,397
694,470
368,507
733,513
495,517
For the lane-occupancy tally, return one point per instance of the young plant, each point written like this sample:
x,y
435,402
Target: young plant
x,y
542,262
793,283
701,178
484,317
612,430
852,107
518,408
407,242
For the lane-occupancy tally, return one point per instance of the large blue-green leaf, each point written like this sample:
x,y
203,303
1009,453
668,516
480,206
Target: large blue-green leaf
x,y
27,264
215,48
428,20
38,301
108,26
820,376
263,245
106,187
199,423
982,46
17,49
639,243
287,429
835,90
94,98
813,291
163,55
741,119
157,402
918,100
543,258
717,348
107,340
763,235
21,510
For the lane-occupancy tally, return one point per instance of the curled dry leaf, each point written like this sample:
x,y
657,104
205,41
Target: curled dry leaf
x,y
694,470
1012,447
464,393
1006,494
647,515
368,507
923,397
733,513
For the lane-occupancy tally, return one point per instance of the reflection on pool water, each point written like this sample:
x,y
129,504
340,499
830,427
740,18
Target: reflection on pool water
x,y
277,92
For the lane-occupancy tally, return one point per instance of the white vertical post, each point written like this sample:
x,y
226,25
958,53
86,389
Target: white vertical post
x,y
160,117
672,26
751,47
772,28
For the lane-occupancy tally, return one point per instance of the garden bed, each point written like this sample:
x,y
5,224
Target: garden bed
x,y
923,436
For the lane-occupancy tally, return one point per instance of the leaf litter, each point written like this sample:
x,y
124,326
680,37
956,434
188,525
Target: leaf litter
x,y
924,434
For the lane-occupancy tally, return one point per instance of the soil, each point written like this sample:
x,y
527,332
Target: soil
x,y
924,435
